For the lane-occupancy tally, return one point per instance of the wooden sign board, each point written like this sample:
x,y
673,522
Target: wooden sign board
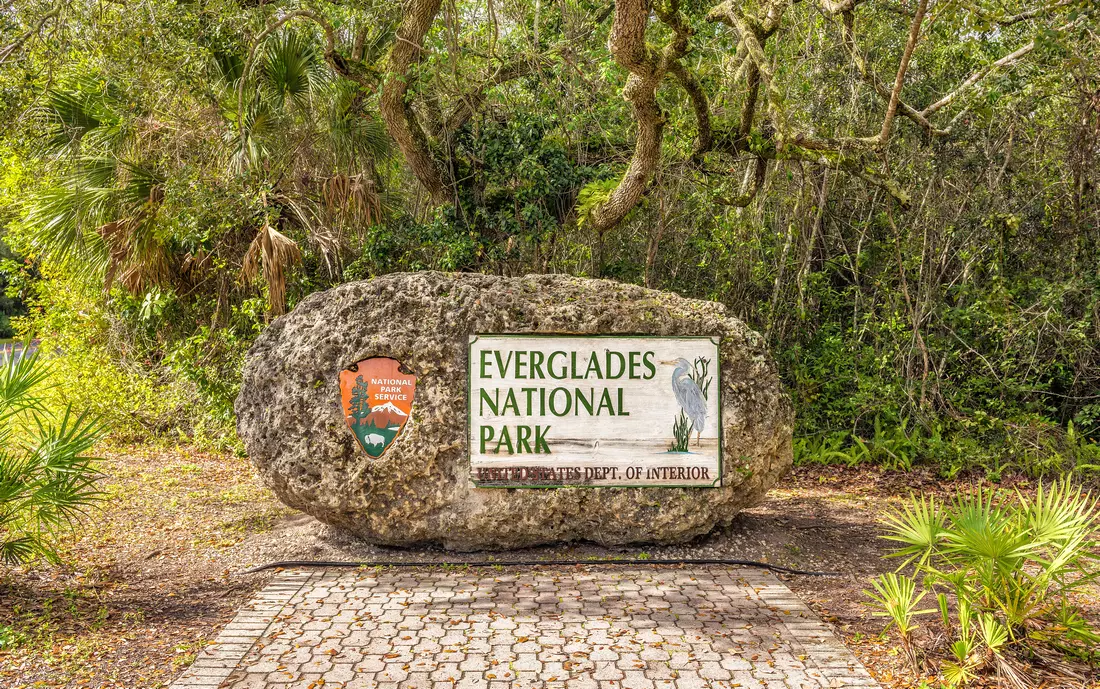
x,y
562,410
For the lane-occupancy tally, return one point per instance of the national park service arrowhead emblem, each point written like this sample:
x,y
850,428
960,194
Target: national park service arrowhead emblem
x,y
377,396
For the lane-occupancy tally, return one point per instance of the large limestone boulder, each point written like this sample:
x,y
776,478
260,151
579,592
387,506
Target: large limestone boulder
x,y
419,491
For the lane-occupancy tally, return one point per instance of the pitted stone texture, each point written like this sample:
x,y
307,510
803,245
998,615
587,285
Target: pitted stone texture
x,y
290,419
644,628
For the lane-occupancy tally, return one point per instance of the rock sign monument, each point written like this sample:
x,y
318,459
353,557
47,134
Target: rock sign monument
x,y
487,412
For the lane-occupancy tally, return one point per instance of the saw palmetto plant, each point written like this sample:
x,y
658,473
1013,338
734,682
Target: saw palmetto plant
x,y
1009,564
47,479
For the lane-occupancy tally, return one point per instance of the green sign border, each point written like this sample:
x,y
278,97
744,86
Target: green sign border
x,y
716,340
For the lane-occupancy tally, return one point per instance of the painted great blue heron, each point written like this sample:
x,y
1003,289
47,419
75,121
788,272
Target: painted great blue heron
x,y
689,396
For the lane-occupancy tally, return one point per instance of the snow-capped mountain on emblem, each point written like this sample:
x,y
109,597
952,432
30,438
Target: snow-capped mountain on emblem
x,y
386,416
377,396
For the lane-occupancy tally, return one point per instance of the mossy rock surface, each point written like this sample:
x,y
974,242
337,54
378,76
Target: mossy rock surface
x,y
419,491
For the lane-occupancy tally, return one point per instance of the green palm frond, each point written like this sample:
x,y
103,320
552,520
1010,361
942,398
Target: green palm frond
x,y
962,669
982,529
24,549
140,187
994,634
70,117
63,217
80,114
945,612
355,133
15,467
1059,513
919,526
62,445
376,39
896,597
293,70
140,193
1069,625
1009,560
965,613
78,218
20,377
228,66
249,146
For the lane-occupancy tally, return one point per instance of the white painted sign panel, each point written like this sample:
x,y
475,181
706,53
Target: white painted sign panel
x,y
587,410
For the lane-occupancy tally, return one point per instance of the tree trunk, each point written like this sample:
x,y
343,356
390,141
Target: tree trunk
x,y
398,116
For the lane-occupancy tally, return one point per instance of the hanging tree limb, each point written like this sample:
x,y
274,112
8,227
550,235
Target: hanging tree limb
x,y
759,174
754,33
766,129
394,106
517,68
923,117
647,67
748,108
778,137
704,138
780,140
12,48
980,74
1032,13
701,107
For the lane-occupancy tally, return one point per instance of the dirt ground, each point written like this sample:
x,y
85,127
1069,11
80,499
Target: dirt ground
x,y
160,570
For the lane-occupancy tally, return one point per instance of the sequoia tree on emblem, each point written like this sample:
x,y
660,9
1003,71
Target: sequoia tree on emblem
x,y
377,396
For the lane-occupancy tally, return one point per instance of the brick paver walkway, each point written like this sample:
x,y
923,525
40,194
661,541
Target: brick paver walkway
x,y
480,628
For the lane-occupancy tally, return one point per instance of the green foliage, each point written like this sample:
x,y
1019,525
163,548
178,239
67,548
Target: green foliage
x,y
293,70
592,196
681,433
896,596
14,275
108,360
47,480
896,448
823,449
140,164
1010,562
1036,451
10,638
